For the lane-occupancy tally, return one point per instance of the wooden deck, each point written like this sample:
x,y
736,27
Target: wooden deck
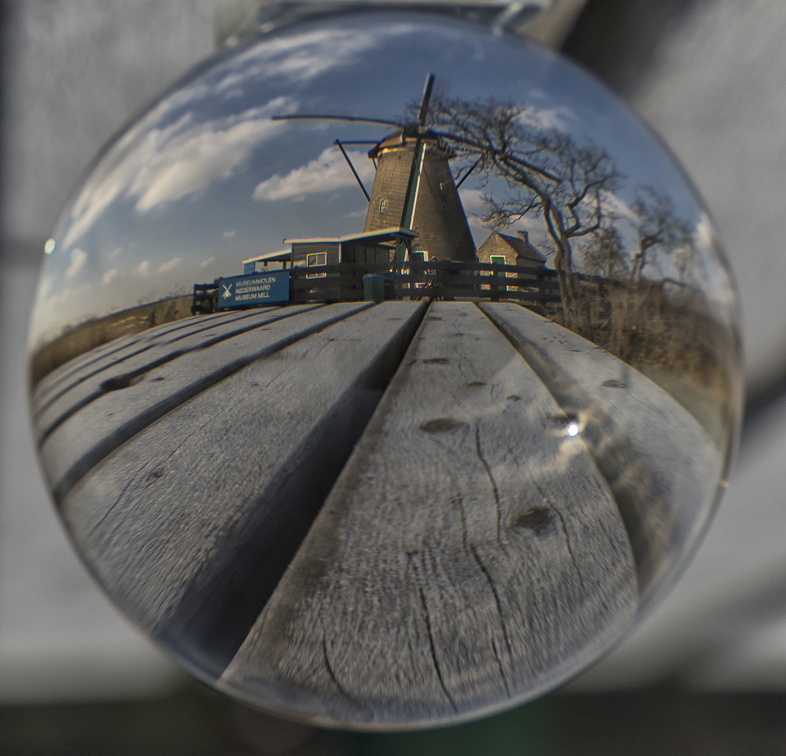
x,y
374,513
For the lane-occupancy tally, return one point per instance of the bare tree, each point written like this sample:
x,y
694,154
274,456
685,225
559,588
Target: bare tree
x,y
547,173
604,255
661,233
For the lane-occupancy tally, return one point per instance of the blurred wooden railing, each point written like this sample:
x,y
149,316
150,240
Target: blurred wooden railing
x,y
447,280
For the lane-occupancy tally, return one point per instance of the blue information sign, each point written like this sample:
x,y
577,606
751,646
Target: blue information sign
x,y
259,289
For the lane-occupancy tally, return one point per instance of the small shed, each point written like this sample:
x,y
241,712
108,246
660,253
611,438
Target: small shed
x,y
510,250
426,198
367,247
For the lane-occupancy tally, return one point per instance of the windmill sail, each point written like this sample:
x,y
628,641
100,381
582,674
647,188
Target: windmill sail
x,y
414,187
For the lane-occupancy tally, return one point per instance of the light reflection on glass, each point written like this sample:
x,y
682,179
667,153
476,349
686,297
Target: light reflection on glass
x,y
439,448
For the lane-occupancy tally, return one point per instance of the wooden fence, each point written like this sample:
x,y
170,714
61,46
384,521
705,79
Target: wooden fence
x,y
446,280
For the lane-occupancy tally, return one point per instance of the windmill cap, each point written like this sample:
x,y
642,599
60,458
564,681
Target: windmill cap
x,y
407,136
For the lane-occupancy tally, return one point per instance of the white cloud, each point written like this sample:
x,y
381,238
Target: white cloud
x,y
300,57
78,260
46,287
205,263
190,161
704,233
473,202
109,276
229,234
107,183
560,118
325,173
154,166
143,269
712,270
616,207
170,265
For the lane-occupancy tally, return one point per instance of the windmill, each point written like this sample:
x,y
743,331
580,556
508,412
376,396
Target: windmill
x,y
413,186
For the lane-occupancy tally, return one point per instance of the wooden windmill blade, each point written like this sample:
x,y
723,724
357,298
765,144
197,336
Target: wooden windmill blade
x,y
341,143
413,186
426,99
417,163
414,183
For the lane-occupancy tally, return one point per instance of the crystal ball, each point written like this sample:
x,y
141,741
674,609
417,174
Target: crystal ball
x,y
385,371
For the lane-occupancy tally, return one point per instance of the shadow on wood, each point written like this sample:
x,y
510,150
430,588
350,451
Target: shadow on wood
x,y
388,514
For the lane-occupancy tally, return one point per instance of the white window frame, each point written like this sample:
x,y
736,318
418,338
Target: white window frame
x,y
499,260
312,260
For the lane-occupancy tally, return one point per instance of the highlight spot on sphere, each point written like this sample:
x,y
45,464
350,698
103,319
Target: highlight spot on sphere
x,y
387,370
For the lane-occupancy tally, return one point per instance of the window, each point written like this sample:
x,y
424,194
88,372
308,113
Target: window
x,y
315,259
499,260
383,206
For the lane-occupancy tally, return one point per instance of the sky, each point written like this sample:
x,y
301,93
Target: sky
x,y
206,177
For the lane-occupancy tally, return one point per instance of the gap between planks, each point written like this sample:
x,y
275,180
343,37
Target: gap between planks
x,y
469,554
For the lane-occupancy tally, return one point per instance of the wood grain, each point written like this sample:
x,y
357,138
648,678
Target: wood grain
x,y
191,522
278,509
126,363
70,374
662,467
79,442
470,554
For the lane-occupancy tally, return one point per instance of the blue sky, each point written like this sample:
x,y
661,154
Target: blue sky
x,y
204,178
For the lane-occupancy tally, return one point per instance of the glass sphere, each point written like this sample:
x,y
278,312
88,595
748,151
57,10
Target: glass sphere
x,y
385,370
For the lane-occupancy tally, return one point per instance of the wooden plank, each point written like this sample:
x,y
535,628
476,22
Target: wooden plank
x,y
469,555
75,370
84,438
112,353
661,465
121,341
192,521
118,369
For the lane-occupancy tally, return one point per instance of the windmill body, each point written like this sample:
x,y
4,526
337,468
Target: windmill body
x,y
414,188
414,191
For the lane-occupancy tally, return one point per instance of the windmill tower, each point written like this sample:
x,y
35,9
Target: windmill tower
x,y
413,186
414,183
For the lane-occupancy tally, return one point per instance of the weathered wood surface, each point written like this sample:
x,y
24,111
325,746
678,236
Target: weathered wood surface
x,y
662,466
404,548
86,365
126,362
115,416
469,554
193,520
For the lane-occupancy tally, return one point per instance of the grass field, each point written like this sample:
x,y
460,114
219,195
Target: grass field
x,y
674,338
